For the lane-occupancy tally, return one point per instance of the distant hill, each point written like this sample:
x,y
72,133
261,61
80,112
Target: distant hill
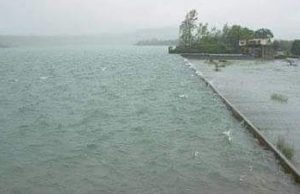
x,y
129,38
156,42
103,39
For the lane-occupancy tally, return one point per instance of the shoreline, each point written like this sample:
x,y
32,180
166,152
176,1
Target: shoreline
x,y
205,56
263,140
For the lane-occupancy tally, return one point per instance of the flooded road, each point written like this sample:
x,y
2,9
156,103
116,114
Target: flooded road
x,y
266,92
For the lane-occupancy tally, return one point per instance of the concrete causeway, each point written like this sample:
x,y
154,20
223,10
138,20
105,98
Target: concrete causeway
x,y
266,92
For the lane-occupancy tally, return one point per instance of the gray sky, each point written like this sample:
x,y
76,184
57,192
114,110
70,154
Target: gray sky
x,y
53,17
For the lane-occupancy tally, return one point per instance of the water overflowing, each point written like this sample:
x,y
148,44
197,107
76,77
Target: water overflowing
x,y
121,120
266,92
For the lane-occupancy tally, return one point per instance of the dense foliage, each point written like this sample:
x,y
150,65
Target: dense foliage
x,y
296,48
282,45
199,37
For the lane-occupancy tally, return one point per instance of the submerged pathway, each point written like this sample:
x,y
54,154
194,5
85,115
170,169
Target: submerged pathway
x,y
267,93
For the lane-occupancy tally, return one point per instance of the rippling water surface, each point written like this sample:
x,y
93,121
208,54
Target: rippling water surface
x,y
121,120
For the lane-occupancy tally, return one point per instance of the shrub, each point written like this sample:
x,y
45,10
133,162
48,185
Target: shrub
x,y
280,98
285,148
296,47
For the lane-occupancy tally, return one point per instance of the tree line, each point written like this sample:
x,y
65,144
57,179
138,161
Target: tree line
x,y
199,37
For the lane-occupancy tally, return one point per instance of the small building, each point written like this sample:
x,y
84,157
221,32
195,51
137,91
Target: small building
x,y
258,47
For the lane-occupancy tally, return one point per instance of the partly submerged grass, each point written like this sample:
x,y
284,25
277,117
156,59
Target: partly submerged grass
x,y
218,64
279,98
215,63
286,148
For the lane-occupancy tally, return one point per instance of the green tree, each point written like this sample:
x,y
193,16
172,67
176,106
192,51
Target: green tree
x,y
232,35
263,33
296,48
202,31
276,45
201,38
246,33
187,28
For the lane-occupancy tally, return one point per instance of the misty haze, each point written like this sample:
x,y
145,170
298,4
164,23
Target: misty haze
x,y
149,96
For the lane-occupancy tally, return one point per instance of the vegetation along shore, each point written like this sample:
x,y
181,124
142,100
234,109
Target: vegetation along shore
x,y
198,37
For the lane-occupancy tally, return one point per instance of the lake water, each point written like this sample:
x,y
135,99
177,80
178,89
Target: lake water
x,y
99,119
250,85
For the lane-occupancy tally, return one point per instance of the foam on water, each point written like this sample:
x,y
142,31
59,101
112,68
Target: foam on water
x,y
125,130
43,77
183,96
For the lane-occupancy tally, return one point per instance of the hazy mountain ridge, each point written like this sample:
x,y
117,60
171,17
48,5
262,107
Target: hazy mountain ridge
x,y
165,33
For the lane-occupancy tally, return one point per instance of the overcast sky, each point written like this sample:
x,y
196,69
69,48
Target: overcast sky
x,y
55,17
